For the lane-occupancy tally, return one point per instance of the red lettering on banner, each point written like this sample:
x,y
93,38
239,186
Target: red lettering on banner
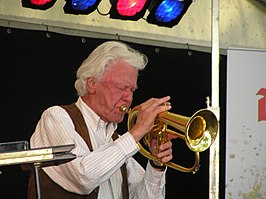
x,y
262,104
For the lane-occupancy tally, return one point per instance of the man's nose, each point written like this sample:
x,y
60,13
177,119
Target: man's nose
x,y
128,95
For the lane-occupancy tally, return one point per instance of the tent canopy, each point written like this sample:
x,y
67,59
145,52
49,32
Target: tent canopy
x,y
242,24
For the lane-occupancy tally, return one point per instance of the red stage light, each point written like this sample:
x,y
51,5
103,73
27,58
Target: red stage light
x,y
38,4
128,9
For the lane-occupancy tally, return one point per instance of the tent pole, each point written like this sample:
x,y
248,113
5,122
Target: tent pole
x,y
215,149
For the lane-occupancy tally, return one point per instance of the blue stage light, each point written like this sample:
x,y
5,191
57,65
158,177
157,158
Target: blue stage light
x,y
81,6
168,12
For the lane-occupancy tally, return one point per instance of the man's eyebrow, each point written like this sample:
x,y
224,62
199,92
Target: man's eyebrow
x,y
120,83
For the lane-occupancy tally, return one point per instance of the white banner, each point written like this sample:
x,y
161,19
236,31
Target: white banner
x,y
246,124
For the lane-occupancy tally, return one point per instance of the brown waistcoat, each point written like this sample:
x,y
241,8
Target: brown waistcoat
x,y
51,190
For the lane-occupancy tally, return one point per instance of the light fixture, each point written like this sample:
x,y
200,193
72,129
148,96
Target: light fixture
x,y
38,4
128,9
167,12
81,6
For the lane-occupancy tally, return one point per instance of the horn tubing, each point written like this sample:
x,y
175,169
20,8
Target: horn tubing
x,y
181,123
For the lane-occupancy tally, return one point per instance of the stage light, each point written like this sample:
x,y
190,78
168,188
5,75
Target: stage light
x,y
167,12
81,6
128,9
161,12
38,4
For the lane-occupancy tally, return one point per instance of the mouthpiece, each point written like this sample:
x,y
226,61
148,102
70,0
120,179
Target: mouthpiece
x,y
123,109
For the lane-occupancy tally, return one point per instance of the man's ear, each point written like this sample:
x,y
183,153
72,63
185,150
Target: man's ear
x,y
91,85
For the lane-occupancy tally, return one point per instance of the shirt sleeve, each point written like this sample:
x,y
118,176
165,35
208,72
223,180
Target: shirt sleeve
x,y
145,184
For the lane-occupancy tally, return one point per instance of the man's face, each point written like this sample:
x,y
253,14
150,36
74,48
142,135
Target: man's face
x,y
114,90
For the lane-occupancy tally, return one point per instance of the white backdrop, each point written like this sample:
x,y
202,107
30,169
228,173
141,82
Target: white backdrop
x,y
246,124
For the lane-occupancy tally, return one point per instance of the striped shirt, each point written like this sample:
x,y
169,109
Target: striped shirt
x,y
100,167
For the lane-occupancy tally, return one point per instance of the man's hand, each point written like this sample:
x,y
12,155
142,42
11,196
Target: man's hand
x,y
163,153
147,113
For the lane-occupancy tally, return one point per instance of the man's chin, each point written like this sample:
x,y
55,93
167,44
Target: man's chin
x,y
119,119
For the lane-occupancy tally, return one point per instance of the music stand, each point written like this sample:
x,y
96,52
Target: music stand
x,y
17,153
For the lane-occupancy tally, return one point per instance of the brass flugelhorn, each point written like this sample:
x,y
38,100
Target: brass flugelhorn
x,y
199,132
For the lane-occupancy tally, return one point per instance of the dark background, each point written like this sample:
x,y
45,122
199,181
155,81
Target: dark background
x,y
38,70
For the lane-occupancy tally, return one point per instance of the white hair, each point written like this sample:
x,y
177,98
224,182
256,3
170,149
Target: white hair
x,y
106,54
